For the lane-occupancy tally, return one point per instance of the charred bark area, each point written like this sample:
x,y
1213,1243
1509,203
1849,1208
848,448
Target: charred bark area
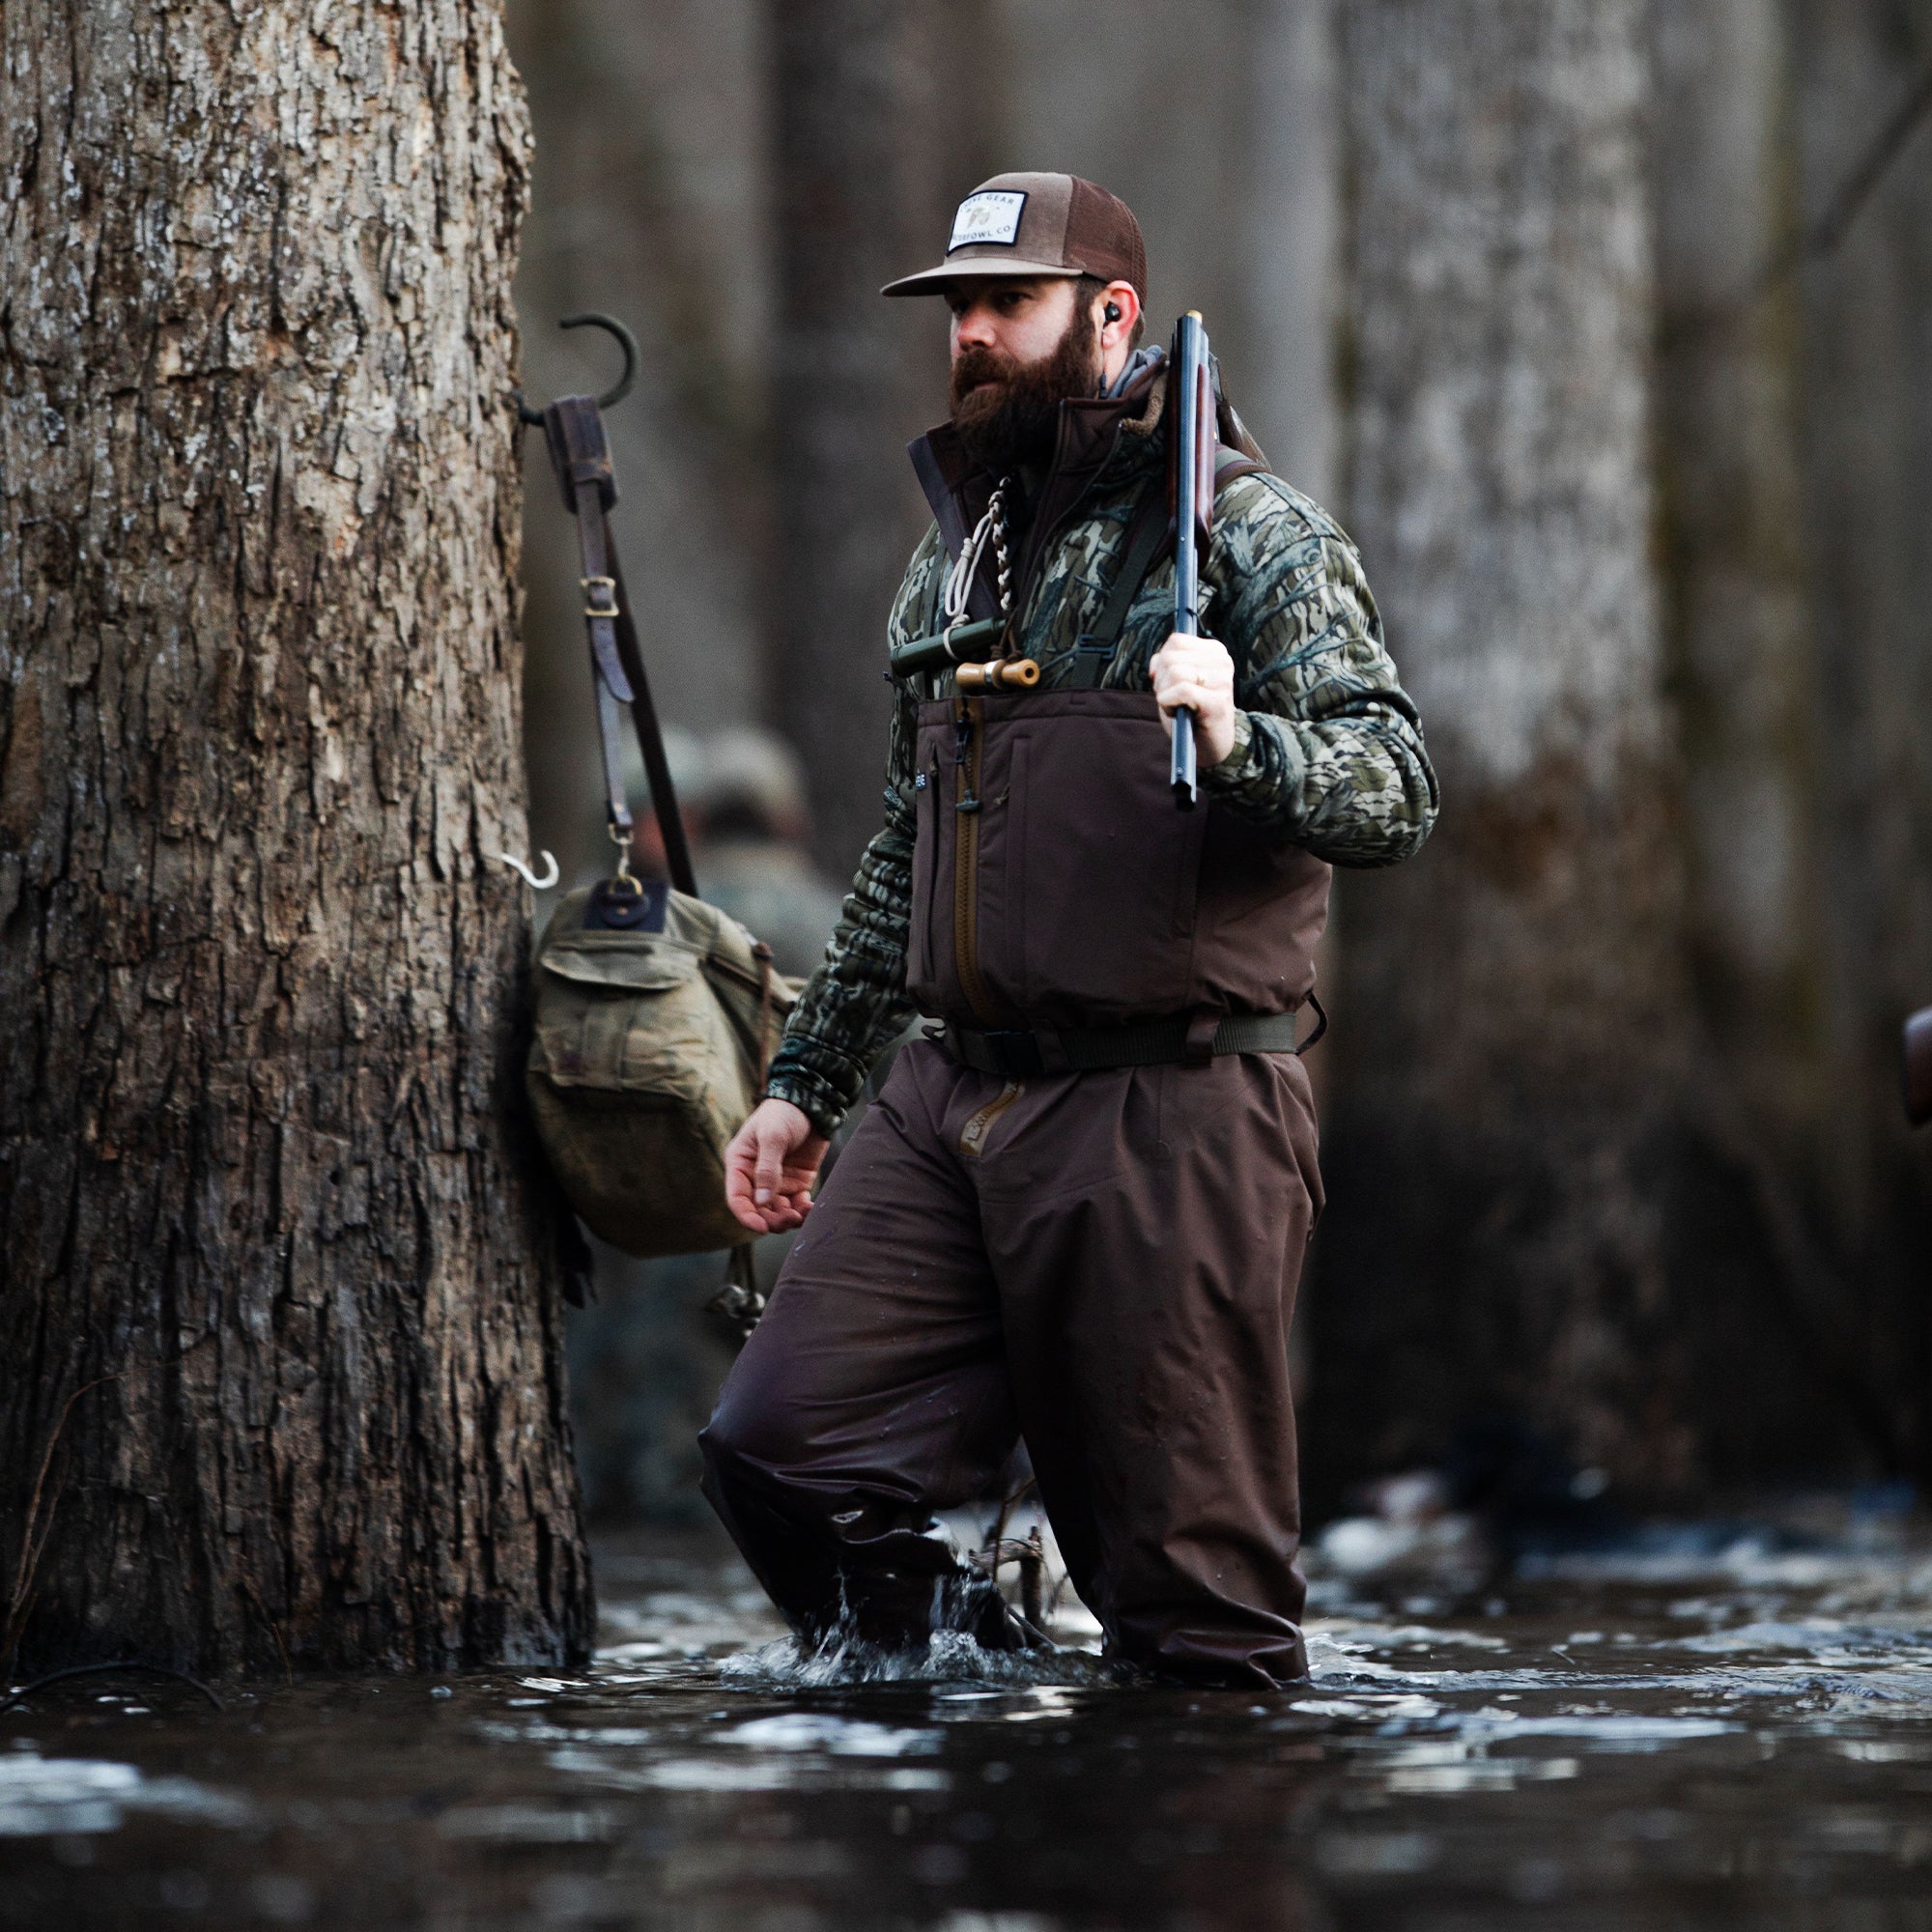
x,y
261,1185
1527,1166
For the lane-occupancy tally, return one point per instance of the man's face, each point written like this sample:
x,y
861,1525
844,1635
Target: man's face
x,y
1020,348
1024,319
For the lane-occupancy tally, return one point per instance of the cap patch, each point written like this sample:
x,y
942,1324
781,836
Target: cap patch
x,y
993,215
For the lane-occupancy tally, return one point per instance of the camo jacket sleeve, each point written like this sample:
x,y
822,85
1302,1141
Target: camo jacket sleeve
x,y
854,1004
1327,745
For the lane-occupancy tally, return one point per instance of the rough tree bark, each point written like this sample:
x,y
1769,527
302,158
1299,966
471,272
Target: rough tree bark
x,y
258,551
1528,1205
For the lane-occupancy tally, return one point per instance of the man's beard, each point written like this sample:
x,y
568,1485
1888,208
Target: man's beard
x,y
1010,424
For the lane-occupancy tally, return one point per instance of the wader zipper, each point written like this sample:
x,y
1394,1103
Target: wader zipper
x,y
973,1135
969,736
968,725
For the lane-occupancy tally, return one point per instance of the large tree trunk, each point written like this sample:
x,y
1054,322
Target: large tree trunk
x,y
1534,1210
261,1197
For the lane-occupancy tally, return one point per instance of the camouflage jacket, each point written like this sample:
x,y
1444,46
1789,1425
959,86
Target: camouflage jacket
x,y
1327,745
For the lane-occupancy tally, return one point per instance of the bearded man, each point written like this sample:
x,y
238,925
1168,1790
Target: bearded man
x,y
1077,1211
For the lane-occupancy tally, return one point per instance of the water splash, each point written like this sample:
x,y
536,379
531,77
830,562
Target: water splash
x,y
950,1657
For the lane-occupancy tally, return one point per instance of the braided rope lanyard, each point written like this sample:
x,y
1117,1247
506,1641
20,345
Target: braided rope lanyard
x,y
990,528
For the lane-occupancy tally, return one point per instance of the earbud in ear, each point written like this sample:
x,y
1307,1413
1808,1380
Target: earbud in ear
x,y
1112,311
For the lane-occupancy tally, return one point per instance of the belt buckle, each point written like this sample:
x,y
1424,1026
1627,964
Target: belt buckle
x,y
1014,1055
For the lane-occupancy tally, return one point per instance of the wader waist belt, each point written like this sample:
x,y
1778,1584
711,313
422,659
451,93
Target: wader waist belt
x,y
1188,1037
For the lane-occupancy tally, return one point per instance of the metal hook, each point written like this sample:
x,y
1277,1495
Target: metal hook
x,y
529,878
625,340
620,837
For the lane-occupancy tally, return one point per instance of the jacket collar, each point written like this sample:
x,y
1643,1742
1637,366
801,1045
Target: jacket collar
x,y
1098,435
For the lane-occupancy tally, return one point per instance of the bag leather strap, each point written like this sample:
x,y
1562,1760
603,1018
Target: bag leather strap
x,y
579,454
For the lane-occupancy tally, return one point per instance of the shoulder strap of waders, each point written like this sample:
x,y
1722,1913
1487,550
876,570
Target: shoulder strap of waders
x,y
580,453
1147,535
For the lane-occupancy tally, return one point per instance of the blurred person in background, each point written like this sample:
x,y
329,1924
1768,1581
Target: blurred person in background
x,y
646,1357
751,841
1077,1211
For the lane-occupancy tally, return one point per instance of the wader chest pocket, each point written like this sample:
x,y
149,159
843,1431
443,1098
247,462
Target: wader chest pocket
x,y
1084,877
1107,870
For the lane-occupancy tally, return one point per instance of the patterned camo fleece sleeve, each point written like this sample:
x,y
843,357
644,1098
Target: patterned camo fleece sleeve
x,y
854,1004
1327,746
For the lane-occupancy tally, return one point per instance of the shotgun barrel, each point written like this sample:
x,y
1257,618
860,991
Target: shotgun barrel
x,y
1191,481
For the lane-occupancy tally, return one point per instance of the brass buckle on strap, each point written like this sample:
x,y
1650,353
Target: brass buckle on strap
x,y
600,596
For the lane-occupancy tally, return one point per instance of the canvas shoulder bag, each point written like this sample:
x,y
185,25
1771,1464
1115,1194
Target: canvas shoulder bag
x,y
655,1014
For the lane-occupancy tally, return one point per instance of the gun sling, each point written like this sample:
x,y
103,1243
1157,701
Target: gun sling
x,y
1185,1038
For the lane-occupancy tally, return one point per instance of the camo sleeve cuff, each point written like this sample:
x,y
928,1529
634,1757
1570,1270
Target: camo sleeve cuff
x,y
855,1004
1263,771
819,1103
1332,753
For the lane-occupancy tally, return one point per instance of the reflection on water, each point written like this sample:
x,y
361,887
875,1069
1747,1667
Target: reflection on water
x,y
1697,1728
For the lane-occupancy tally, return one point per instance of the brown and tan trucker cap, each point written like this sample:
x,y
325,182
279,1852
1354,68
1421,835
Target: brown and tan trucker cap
x,y
1036,225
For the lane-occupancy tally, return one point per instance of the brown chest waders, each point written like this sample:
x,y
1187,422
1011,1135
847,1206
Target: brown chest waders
x,y
1103,1261
1076,1214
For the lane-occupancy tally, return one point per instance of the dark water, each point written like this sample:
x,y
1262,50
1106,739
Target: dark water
x,y
1706,1728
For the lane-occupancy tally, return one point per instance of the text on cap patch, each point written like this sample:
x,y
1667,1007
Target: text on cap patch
x,y
993,215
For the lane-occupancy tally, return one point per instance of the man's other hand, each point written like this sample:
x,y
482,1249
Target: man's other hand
x,y
769,1168
1199,673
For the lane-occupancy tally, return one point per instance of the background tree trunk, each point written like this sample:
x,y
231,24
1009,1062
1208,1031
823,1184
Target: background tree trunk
x,y
650,139
257,571
867,99
1530,1213
1867,509
1734,555
1742,672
